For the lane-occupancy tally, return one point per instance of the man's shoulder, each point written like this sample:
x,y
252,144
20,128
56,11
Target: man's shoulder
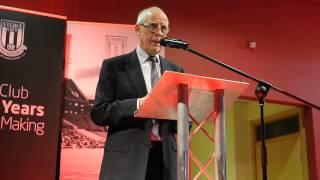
x,y
171,64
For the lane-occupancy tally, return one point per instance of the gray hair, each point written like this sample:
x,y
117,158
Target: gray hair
x,y
146,12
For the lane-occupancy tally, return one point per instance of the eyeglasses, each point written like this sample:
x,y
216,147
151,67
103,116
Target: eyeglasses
x,y
153,27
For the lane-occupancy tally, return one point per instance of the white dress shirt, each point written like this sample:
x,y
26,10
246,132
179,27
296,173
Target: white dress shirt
x,y
146,68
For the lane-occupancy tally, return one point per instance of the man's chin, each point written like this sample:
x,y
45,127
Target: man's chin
x,y
154,51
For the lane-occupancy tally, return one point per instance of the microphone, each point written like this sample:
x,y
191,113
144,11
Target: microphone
x,y
174,43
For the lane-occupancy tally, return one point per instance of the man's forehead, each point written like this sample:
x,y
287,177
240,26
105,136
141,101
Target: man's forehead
x,y
158,18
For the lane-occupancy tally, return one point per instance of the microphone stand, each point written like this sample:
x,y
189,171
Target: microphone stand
x,y
261,92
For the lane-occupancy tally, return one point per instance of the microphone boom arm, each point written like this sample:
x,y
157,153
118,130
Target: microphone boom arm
x,y
260,82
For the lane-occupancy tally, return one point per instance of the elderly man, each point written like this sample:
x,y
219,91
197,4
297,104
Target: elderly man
x,y
136,149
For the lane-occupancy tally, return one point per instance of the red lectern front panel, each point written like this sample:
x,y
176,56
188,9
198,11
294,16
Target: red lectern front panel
x,y
162,100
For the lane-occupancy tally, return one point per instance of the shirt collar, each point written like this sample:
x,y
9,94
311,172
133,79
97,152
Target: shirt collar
x,y
143,55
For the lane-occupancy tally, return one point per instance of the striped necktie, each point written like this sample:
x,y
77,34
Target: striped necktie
x,y
155,76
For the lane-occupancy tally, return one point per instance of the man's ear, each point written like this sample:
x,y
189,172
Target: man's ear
x,y
137,29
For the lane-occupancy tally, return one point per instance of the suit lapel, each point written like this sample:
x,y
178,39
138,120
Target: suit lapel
x,y
135,74
164,65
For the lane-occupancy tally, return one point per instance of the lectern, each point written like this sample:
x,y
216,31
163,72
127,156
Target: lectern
x,y
177,95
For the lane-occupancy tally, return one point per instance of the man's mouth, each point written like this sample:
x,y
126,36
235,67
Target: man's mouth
x,y
155,42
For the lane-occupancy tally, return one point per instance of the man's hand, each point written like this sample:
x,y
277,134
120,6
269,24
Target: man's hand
x,y
141,100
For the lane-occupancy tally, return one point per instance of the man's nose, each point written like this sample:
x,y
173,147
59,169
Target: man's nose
x,y
159,32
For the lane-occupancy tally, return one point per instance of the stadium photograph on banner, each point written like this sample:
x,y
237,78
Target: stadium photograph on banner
x,y
82,141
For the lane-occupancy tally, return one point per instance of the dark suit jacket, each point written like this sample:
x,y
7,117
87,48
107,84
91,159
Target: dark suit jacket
x,y
128,143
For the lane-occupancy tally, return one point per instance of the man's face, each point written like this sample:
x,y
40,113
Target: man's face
x,y
151,31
